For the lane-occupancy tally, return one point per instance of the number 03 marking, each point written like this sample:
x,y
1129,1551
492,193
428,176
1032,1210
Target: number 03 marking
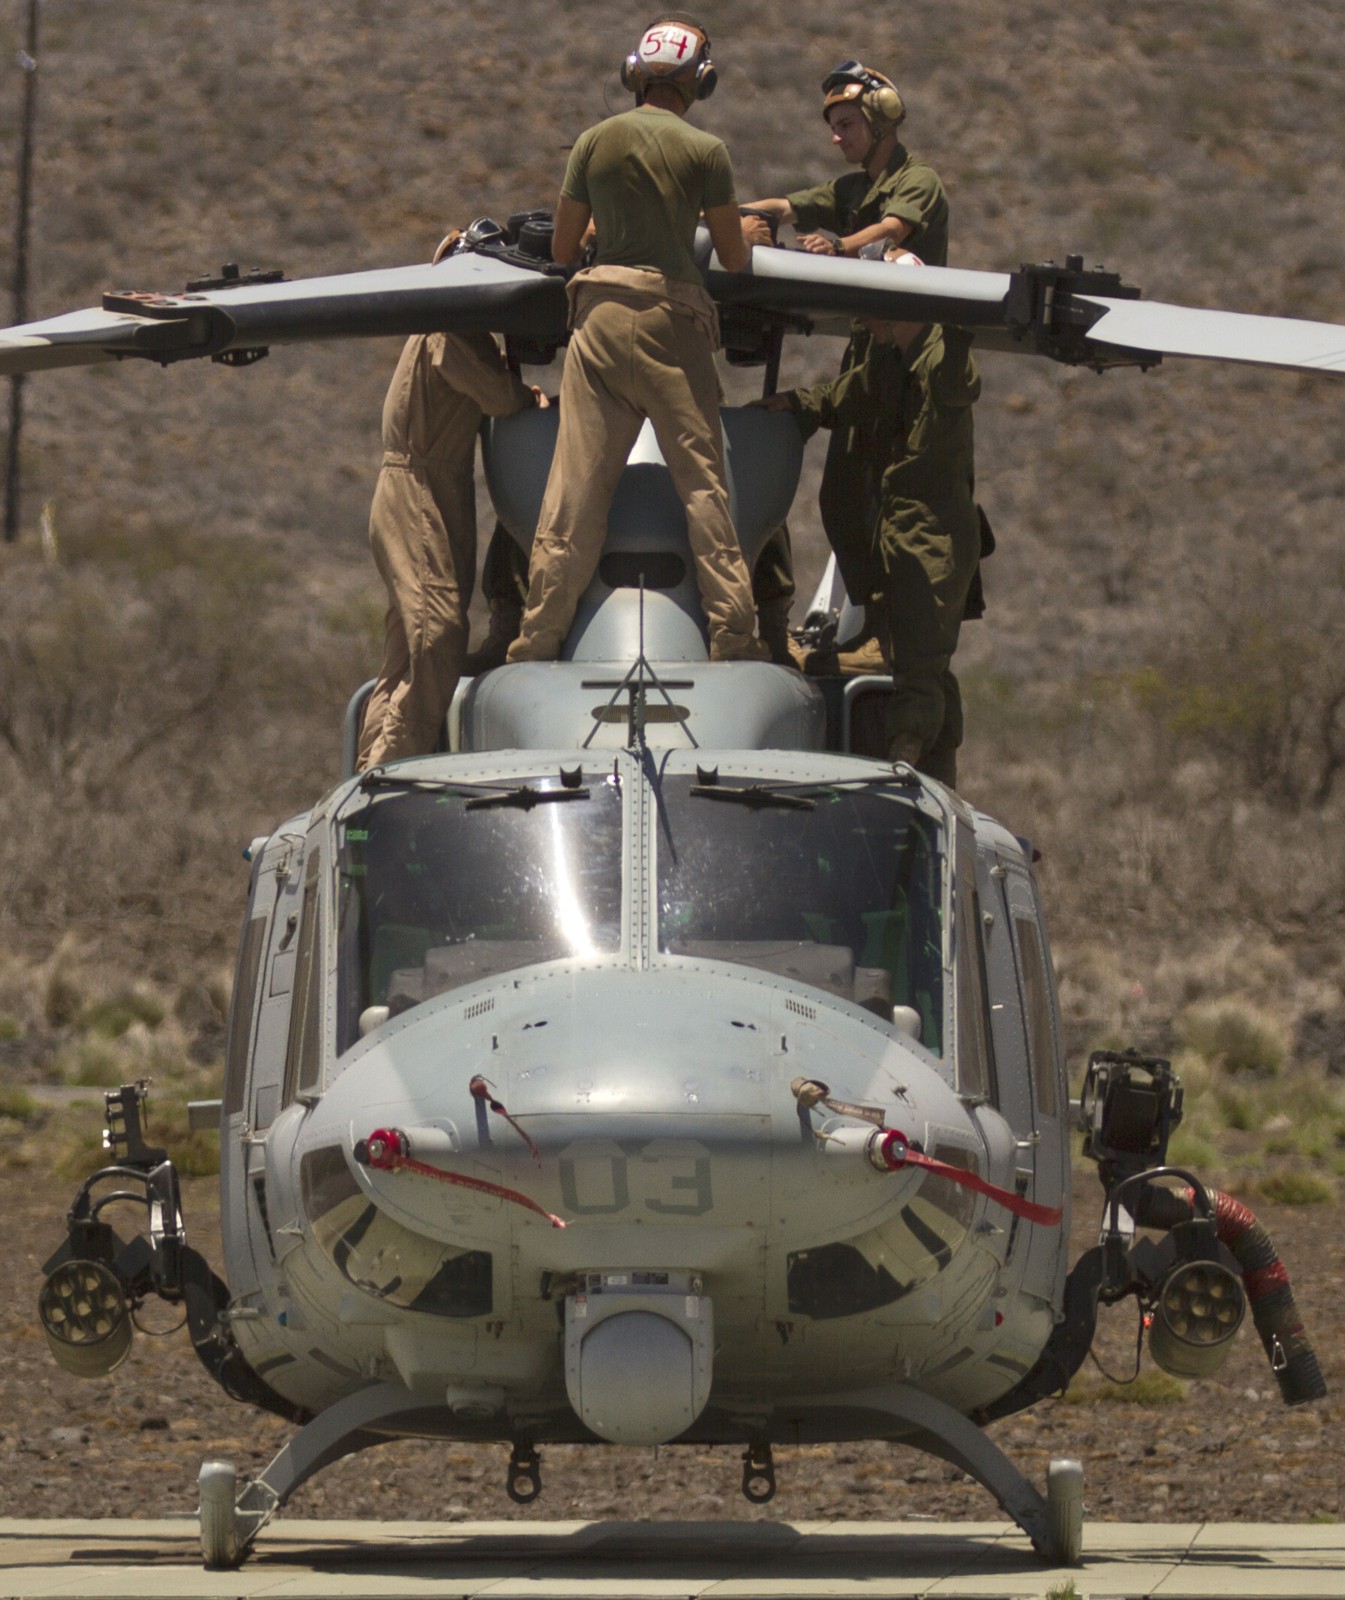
x,y
670,1177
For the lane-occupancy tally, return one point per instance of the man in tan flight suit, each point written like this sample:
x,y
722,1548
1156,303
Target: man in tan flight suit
x,y
422,527
645,332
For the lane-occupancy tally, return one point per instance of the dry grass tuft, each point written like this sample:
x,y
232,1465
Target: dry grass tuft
x,y
1236,1037
1152,1388
1298,1188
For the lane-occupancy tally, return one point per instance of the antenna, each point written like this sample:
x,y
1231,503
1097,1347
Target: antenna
x,y
28,63
638,674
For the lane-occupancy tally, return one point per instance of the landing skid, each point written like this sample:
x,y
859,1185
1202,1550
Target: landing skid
x,y
1054,1523
231,1521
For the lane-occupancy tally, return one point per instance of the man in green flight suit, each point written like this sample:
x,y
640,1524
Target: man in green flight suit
x,y
892,199
908,404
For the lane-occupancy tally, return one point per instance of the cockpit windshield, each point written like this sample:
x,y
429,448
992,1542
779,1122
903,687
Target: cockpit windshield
x,y
836,886
441,885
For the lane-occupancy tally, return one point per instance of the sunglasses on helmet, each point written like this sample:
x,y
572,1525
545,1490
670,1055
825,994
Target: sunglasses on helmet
x,y
484,231
848,72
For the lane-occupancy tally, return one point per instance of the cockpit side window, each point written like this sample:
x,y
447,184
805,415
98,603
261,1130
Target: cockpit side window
x,y
834,886
975,1053
303,1056
242,1011
1042,1045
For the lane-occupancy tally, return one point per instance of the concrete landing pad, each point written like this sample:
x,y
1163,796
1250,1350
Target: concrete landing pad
x,y
714,1560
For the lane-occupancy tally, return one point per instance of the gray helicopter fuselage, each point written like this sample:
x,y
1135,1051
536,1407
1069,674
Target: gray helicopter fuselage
x,y
643,1022
653,958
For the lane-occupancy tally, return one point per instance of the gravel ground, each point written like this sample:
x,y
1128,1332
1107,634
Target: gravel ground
x,y
131,1445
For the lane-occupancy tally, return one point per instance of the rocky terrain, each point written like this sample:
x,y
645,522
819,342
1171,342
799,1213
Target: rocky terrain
x,y
1156,697
191,600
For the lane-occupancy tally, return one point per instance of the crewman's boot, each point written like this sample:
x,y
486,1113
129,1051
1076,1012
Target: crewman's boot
x,y
799,655
941,765
861,659
906,747
505,621
726,646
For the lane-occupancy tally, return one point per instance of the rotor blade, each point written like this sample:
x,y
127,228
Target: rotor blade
x,y
80,338
468,293
825,289
1039,310
465,292
1219,335
1066,314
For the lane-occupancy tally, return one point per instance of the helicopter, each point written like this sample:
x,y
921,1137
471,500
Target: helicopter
x,y
655,1063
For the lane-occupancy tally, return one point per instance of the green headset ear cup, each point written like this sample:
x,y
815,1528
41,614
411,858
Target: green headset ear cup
x,y
887,104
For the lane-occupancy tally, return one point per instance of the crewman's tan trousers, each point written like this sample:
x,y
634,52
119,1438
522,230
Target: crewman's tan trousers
x,y
428,564
633,357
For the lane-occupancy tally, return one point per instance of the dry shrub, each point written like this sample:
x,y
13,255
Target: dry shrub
x,y
1149,1388
157,710
1297,1188
1240,960
1258,682
17,1105
1182,853
1236,1036
115,1016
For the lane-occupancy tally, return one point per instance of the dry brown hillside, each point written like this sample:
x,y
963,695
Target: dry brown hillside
x,y
1155,695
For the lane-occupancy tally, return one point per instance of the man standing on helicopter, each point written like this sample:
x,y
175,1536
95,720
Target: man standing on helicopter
x,y
916,553
645,332
891,200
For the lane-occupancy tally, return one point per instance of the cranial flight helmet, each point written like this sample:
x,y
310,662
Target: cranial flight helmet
x,y
852,83
675,50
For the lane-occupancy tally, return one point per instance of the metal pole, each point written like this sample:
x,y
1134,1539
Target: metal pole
x,y
28,64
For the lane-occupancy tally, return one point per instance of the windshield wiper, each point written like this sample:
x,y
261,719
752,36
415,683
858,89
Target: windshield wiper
x,y
498,793
525,797
790,792
755,794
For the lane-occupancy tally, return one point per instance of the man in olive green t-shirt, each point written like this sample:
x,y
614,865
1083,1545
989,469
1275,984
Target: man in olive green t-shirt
x,y
644,335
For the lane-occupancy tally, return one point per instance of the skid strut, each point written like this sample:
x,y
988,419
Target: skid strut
x,y
231,1518
1053,1522
523,1482
759,1472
